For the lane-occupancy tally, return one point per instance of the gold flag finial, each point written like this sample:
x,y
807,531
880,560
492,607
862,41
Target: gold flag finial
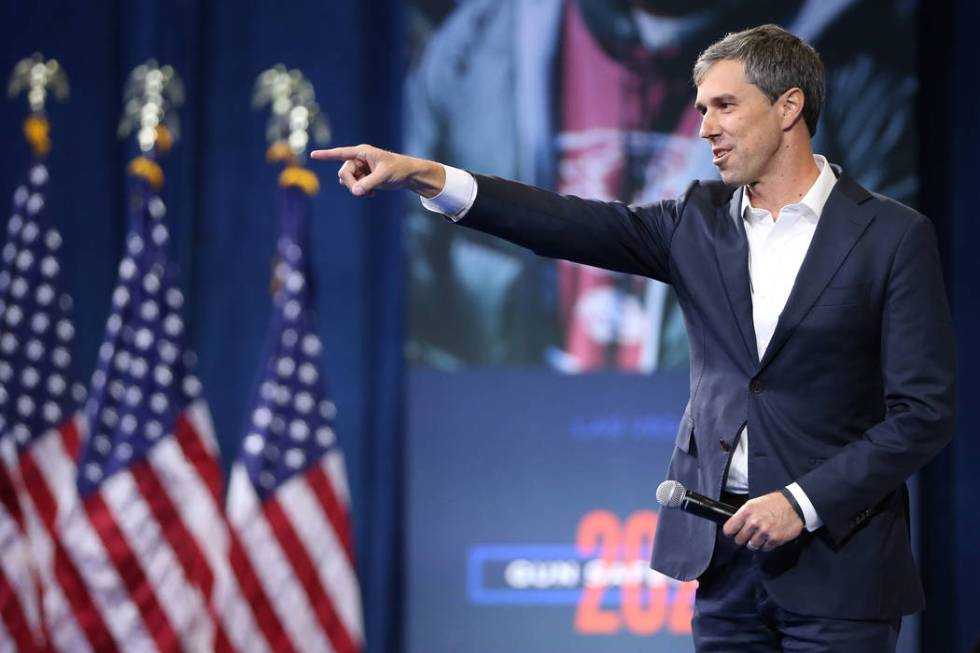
x,y
151,94
295,114
39,77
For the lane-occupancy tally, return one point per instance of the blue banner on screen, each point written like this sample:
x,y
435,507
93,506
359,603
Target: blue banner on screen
x,y
531,519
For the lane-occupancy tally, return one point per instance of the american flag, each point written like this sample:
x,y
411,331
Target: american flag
x,y
148,526
288,498
39,427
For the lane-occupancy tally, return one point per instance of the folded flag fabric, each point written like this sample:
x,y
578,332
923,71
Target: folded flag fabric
x,y
288,498
148,520
40,428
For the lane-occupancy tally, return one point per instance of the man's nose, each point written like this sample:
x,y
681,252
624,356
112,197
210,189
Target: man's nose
x,y
709,127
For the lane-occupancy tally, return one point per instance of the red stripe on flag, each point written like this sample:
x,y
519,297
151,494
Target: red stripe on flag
x,y
184,546
198,455
86,613
221,642
183,543
206,465
39,597
14,618
131,572
336,513
37,487
306,574
258,601
8,498
71,440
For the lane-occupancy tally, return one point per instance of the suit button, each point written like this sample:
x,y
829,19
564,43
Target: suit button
x,y
725,445
756,386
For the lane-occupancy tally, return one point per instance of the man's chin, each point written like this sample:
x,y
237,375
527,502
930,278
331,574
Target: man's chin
x,y
730,177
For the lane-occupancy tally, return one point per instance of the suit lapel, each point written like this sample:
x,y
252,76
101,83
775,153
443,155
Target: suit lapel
x,y
732,252
842,222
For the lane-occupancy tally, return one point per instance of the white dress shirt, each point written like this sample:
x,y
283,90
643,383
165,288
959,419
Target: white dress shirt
x,y
776,251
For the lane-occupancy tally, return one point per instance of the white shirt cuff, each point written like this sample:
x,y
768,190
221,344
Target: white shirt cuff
x,y
811,519
456,197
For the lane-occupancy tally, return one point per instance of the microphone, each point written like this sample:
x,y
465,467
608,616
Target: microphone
x,y
673,494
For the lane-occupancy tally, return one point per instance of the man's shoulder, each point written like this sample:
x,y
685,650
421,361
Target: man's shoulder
x,y
889,211
895,210
886,211
708,194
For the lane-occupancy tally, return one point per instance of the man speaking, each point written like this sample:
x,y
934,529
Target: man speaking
x,y
822,365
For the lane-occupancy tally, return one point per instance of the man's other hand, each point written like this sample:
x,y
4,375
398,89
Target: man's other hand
x,y
764,523
367,169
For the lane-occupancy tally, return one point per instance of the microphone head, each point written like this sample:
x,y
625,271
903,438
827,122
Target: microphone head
x,y
670,494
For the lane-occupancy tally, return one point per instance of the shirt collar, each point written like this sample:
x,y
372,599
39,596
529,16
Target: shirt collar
x,y
814,199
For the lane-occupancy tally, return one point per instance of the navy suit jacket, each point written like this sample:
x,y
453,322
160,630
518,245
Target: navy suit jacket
x,y
853,395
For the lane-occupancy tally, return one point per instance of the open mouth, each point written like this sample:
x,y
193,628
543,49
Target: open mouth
x,y
720,154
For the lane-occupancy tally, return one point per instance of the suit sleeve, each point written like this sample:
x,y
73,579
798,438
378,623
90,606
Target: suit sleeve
x,y
918,370
610,235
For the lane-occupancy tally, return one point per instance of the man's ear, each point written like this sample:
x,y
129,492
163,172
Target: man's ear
x,y
791,107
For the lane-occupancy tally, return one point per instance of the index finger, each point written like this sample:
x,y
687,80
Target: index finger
x,y
335,154
734,523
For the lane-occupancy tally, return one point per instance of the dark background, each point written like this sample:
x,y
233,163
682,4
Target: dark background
x,y
220,201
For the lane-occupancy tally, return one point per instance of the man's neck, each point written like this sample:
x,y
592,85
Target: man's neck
x,y
787,183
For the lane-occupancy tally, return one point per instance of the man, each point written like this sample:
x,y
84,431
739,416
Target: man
x,y
821,351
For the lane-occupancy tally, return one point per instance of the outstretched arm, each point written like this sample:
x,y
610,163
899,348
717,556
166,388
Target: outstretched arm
x,y
610,235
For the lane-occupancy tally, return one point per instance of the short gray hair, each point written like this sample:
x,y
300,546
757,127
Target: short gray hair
x,y
775,60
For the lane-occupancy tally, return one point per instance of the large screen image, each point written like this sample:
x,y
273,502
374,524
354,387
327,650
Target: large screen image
x,y
544,396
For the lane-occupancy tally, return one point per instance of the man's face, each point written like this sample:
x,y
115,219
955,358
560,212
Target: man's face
x,y
738,121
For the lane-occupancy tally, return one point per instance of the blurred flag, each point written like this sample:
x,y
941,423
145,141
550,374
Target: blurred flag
x,y
20,619
39,427
288,498
148,522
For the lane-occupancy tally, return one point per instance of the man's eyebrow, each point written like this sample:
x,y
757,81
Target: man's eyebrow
x,y
718,99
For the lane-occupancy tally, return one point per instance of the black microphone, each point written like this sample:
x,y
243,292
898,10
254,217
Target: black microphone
x,y
673,494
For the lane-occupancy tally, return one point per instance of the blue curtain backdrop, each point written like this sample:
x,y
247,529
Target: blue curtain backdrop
x,y
221,202
220,197
950,121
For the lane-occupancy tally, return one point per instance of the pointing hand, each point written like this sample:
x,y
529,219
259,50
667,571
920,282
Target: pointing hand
x,y
367,168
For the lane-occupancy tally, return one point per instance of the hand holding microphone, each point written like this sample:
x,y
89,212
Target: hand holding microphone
x,y
762,523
